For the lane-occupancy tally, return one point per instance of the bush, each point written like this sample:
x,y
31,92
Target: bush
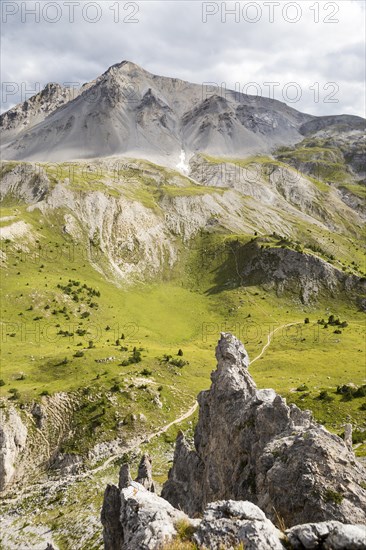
x,y
135,357
15,393
178,363
79,354
44,393
2,383
302,387
185,530
306,320
146,372
180,353
358,436
324,396
333,496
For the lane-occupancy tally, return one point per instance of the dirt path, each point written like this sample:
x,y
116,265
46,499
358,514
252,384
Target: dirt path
x,y
145,439
272,333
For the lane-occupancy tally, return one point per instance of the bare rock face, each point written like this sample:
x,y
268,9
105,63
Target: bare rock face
x,y
13,438
250,445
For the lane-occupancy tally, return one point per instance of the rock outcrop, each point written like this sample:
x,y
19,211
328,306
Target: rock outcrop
x,y
250,445
13,438
134,518
304,275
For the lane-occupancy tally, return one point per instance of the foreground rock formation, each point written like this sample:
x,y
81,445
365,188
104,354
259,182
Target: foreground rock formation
x,y
146,521
256,462
250,445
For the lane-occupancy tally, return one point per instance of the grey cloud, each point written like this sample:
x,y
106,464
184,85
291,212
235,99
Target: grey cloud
x,y
172,40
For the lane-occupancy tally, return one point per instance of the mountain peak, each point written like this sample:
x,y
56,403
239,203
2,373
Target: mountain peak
x,y
127,67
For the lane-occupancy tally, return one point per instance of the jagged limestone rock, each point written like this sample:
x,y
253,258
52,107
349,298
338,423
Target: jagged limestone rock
x,y
110,517
226,524
348,436
144,475
125,478
136,518
330,535
13,438
250,445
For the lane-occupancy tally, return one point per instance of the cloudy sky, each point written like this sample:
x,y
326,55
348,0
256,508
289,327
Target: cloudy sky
x,y
308,53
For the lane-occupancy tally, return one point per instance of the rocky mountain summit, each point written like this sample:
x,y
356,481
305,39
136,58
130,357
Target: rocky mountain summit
x,y
256,462
129,110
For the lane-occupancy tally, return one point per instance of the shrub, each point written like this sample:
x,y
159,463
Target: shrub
x,y
15,393
146,372
185,530
333,496
324,396
79,354
178,363
180,353
44,393
358,436
135,357
302,387
306,320
2,383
